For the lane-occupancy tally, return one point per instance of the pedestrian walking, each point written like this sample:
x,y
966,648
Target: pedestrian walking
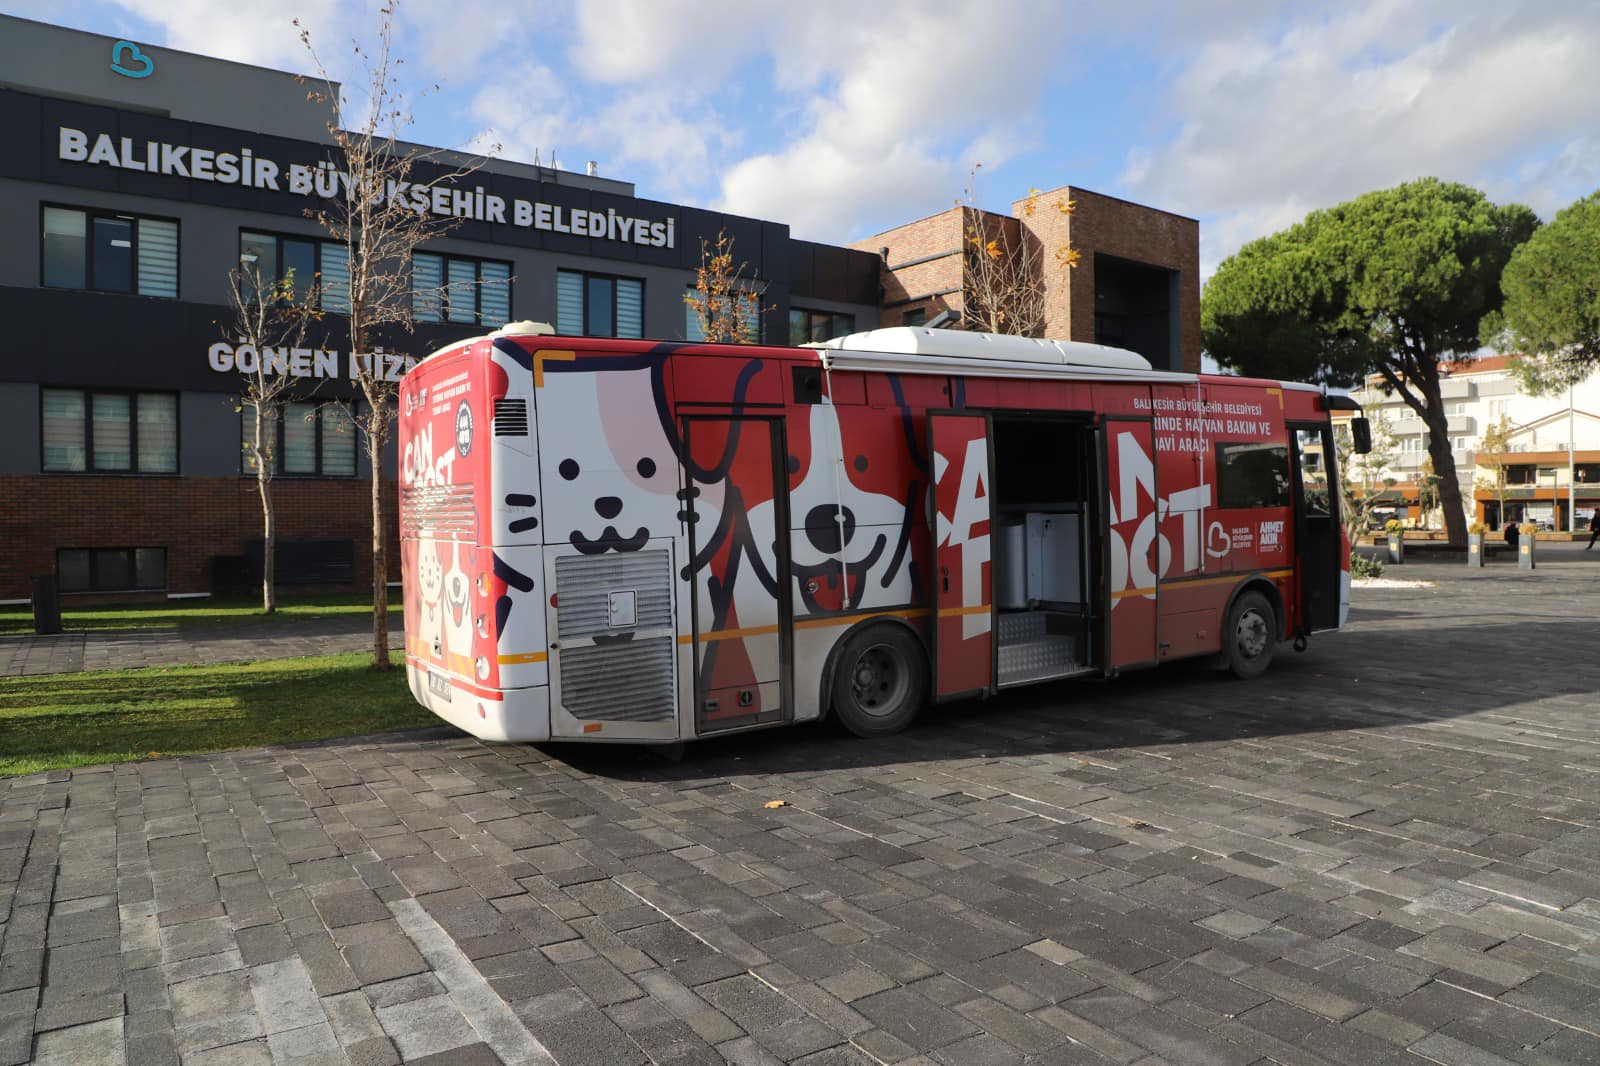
x,y
1513,534
1594,529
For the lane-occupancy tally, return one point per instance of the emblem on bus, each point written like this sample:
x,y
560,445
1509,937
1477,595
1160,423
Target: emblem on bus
x,y
464,429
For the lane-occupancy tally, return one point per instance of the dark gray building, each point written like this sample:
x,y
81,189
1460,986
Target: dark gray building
x,y
134,179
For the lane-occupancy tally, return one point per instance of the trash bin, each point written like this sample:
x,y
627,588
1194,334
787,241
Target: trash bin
x,y
46,604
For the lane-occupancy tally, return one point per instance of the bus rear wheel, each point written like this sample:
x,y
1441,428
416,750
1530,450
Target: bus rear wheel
x,y
1250,636
880,681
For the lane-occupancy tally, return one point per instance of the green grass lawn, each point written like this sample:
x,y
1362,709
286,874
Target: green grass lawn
x,y
183,614
63,720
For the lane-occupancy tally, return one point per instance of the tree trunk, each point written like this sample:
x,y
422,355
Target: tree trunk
x,y
1444,461
269,543
380,551
269,531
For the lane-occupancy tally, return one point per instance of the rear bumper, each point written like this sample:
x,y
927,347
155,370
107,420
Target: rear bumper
x,y
519,715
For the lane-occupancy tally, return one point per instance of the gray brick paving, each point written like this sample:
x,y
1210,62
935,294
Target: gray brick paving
x,y
1387,850
113,649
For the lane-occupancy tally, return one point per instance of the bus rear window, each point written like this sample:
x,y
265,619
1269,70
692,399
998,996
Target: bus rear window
x,y
1252,475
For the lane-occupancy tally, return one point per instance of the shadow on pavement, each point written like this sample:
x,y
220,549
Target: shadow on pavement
x,y
1350,680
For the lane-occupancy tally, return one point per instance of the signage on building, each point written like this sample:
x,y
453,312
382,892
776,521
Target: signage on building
x,y
127,60
226,358
246,168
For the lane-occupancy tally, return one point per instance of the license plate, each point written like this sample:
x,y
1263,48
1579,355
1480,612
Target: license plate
x,y
439,685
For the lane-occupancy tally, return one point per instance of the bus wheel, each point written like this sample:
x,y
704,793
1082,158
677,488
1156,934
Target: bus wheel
x,y
1250,636
880,681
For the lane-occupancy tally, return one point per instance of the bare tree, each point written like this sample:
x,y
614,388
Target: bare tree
x,y
268,323
725,302
1495,447
1003,265
380,214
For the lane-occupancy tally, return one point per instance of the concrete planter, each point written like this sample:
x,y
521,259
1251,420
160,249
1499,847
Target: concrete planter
x,y
1525,552
1475,549
1397,549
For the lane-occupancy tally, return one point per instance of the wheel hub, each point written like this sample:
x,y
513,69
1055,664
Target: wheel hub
x,y
1252,634
876,680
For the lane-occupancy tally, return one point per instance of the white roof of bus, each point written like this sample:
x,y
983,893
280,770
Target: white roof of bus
x,y
918,350
916,340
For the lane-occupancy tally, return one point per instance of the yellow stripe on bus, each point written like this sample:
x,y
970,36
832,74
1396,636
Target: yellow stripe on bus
x,y
804,623
524,657
1196,582
956,612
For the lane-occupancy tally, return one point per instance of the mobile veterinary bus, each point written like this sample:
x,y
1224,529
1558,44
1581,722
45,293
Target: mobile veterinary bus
x,y
618,540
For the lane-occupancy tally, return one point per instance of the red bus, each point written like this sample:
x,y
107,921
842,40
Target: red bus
x,y
616,540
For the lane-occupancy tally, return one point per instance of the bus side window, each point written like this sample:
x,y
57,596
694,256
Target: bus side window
x,y
1252,475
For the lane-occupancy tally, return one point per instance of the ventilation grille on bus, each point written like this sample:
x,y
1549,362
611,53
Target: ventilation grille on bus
x,y
584,584
438,509
616,673
630,681
510,418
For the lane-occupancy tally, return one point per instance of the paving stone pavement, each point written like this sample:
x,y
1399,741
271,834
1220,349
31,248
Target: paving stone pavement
x,y
1385,851
114,649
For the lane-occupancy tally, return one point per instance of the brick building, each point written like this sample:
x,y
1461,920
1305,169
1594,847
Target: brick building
x,y
1136,283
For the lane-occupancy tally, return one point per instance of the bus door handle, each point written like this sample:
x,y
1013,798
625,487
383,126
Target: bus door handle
x,y
944,577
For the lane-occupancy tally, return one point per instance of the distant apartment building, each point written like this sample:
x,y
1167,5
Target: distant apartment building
x,y
1551,462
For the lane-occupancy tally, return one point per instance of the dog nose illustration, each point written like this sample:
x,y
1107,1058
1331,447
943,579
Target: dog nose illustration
x,y
830,527
608,507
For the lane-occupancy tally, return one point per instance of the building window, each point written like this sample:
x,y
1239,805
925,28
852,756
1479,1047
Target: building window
x,y
311,440
749,308
109,252
914,317
598,305
1519,474
94,431
318,271
813,327
111,569
453,288
1252,475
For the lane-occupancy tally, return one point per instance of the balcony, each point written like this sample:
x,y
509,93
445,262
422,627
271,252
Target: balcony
x,y
1413,426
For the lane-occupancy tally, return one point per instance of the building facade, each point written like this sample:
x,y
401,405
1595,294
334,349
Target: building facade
x,y
1538,455
136,178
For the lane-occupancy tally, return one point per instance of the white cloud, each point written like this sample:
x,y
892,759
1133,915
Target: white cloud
x,y
1278,119
263,34
880,107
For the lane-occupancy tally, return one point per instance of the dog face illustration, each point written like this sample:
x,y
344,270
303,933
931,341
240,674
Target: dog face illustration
x,y
608,465
430,579
846,534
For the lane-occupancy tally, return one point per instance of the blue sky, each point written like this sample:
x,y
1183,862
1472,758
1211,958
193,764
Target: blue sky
x,y
843,118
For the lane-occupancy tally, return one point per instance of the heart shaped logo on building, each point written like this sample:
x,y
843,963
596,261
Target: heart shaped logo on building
x,y
127,60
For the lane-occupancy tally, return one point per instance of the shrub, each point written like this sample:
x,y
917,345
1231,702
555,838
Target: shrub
x,y
1366,566
1478,528
1394,527
1528,529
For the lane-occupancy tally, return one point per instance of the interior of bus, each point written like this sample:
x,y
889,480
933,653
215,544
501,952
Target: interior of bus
x,y
1045,559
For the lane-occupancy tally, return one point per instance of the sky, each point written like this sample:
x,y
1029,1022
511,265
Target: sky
x,y
844,118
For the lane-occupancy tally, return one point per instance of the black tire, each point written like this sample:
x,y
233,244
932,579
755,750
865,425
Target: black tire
x,y
880,681
1251,636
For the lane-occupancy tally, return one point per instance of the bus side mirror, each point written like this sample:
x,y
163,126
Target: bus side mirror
x,y
1361,435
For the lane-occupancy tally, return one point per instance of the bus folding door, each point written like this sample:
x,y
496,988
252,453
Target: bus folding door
x,y
962,501
738,543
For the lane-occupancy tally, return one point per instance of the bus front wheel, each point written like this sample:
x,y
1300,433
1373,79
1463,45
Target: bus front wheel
x,y
1251,635
880,681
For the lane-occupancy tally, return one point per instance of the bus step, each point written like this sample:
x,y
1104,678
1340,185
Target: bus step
x,y
1036,658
